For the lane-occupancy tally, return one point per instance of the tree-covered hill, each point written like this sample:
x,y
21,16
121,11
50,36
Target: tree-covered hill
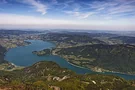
x,y
120,58
49,76
2,54
124,39
66,40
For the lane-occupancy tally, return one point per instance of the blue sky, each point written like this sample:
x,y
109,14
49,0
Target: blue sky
x,y
68,14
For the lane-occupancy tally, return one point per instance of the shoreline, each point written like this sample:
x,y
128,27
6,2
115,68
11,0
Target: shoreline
x,y
7,62
91,69
113,72
27,43
105,71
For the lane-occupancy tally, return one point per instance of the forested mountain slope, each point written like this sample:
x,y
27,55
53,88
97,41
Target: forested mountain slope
x,y
2,54
49,76
120,58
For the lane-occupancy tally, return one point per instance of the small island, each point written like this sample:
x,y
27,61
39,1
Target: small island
x,y
42,52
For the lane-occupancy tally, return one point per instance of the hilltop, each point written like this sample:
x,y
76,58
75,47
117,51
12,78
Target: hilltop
x,y
97,51
119,58
49,76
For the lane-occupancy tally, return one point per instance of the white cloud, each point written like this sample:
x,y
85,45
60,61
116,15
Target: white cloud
x,y
42,8
30,22
122,9
113,7
79,14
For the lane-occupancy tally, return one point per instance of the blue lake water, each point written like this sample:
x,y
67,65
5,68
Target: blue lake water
x,y
23,56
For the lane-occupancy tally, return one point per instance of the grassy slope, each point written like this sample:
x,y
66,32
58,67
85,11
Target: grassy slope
x,y
2,54
124,39
119,58
67,40
85,50
47,75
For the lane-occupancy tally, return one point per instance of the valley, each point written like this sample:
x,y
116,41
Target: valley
x,y
67,44
100,53
80,55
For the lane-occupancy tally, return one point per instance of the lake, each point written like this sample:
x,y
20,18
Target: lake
x,y
23,56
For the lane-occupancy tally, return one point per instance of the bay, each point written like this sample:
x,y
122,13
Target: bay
x,y
23,56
